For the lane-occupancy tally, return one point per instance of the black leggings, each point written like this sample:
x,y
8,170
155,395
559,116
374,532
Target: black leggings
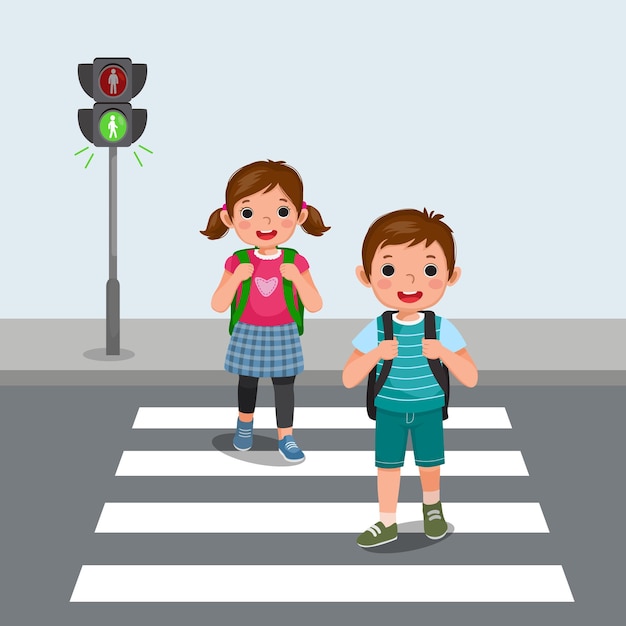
x,y
283,397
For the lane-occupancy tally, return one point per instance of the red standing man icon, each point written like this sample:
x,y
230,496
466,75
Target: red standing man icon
x,y
113,81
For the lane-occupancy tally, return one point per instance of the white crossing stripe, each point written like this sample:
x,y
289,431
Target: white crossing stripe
x,y
310,517
321,583
304,417
317,463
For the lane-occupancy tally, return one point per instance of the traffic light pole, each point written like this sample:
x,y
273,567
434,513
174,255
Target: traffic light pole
x,y
112,82
113,285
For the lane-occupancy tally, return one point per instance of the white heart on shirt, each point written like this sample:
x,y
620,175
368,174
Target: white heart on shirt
x,y
266,286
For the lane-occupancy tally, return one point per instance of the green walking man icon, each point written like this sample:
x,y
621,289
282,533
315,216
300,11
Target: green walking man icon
x,y
113,126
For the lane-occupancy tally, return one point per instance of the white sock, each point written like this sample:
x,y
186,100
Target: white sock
x,y
431,497
388,519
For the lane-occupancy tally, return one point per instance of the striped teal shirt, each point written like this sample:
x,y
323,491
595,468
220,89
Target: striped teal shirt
x,y
410,386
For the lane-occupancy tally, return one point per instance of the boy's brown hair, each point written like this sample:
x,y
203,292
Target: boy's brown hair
x,y
261,176
408,226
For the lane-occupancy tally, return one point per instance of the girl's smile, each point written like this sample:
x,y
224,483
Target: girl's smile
x,y
266,235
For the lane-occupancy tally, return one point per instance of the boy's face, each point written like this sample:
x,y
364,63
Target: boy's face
x,y
409,278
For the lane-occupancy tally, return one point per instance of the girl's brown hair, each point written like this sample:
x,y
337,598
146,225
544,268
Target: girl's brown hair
x,y
408,226
264,176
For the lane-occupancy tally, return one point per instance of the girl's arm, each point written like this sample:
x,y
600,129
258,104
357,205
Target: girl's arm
x,y
227,288
311,299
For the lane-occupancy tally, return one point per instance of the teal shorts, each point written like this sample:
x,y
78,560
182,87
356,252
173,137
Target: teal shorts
x,y
392,430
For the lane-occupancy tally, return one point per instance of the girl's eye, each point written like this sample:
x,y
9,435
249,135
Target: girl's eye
x,y
283,211
246,213
430,270
388,270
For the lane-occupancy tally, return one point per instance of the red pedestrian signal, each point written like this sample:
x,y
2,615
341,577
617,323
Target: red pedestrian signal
x,y
113,82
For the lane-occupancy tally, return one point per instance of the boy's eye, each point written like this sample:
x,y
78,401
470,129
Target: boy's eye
x,y
388,270
283,211
430,270
246,213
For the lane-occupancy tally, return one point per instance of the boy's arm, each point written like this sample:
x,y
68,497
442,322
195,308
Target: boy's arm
x,y
359,364
460,363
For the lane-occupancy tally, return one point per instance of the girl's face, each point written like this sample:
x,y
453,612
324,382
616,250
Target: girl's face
x,y
265,219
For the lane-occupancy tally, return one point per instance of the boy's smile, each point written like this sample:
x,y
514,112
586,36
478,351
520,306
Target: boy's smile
x,y
409,278
410,297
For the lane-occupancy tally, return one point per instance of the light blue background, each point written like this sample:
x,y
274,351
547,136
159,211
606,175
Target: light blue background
x,y
507,117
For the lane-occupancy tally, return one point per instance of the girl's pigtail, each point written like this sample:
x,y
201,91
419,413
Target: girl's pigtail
x,y
215,228
314,224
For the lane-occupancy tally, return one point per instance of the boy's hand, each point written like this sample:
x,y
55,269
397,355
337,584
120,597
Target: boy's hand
x,y
289,271
243,271
388,349
432,348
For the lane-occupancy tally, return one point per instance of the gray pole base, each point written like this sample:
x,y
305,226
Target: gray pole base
x,y
113,316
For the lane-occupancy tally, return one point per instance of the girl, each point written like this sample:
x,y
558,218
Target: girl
x,y
266,288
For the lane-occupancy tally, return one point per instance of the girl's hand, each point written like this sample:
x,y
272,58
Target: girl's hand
x,y
290,271
243,271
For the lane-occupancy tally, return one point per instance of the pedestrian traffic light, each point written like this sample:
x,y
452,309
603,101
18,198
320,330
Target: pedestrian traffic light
x,y
112,83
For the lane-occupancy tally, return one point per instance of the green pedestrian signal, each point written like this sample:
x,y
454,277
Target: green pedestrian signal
x,y
113,126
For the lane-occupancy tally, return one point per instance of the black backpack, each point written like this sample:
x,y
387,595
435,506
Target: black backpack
x,y
439,370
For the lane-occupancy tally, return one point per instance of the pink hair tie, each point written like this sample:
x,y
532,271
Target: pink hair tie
x,y
224,207
304,205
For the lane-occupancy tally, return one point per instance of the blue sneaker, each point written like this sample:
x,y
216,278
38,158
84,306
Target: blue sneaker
x,y
243,436
289,449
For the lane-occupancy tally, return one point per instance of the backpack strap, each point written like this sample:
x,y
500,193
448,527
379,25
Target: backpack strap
x,y
236,308
374,384
297,313
439,370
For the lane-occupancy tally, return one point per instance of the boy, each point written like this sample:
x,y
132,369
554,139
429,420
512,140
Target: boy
x,y
408,261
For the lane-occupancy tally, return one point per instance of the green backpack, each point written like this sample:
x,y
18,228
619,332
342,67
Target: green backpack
x,y
236,308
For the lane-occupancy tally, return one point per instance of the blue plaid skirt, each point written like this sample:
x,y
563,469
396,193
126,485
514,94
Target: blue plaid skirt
x,y
264,351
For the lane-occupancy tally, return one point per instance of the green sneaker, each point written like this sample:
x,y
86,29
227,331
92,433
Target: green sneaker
x,y
435,526
377,535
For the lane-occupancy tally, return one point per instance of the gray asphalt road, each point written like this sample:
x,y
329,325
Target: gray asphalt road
x,y
60,447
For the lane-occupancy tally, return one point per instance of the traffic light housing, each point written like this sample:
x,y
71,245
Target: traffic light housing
x,y
112,82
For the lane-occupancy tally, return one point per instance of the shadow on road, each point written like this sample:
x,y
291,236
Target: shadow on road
x,y
264,452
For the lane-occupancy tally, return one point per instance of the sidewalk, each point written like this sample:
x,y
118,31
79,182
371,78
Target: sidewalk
x,y
191,352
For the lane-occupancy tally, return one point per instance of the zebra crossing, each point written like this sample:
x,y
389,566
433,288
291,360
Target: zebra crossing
x,y
213,582
318,463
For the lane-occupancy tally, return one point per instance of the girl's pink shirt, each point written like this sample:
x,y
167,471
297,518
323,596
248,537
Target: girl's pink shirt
x,y
266,305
